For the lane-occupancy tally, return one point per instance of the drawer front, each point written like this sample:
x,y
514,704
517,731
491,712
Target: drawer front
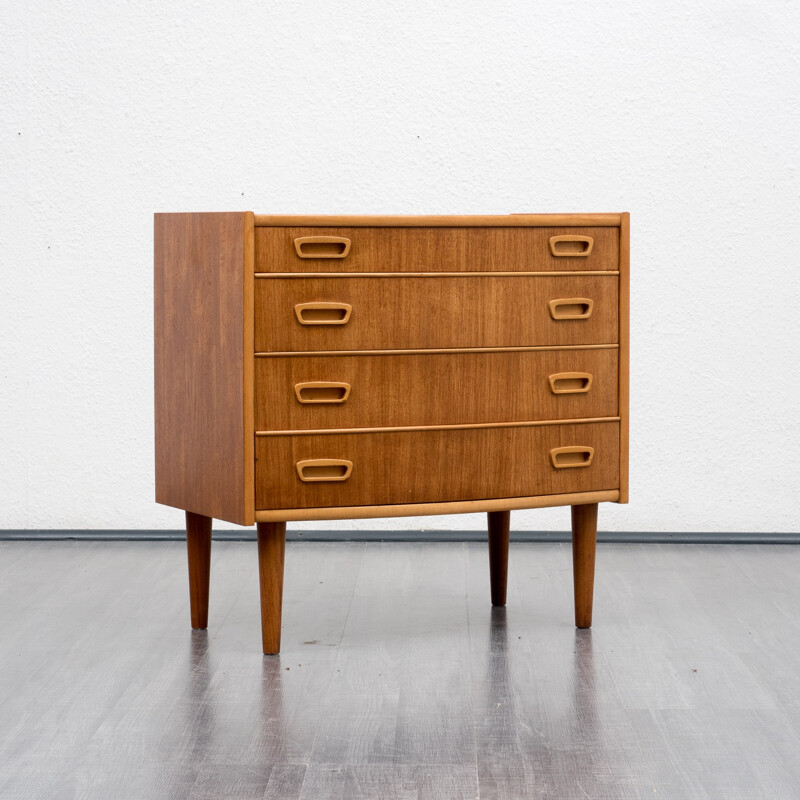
x,y
364,391
303,314
314,249
324,470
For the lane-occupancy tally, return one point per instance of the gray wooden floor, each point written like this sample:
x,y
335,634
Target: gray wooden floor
x,y
397,679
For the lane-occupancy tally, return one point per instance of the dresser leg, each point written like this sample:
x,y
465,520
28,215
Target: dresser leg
x,y
271,548
499,524
584,544
198,546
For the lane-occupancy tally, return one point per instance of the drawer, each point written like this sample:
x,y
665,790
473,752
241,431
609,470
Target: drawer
x,y
364,391
353,469
363,313
412,249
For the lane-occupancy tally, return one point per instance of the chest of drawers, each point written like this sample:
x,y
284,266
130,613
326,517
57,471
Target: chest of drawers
x,y
311,368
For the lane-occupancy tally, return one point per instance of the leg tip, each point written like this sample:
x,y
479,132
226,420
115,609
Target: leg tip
x,y
271,648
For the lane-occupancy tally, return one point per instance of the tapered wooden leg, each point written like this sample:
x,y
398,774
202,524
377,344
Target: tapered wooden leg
x,y
198,546
499,524
584,544
271,548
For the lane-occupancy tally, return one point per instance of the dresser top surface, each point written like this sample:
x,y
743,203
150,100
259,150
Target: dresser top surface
x,y
446,221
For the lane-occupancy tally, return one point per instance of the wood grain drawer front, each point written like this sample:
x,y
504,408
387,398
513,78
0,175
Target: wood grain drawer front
x,y
411,249
365,391
437,465
435,312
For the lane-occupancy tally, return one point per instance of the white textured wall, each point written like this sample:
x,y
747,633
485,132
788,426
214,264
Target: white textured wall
x,y
683,113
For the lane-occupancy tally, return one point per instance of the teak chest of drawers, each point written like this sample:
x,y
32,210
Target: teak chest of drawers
x,y
338,367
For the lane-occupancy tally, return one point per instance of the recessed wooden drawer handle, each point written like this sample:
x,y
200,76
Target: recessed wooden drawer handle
x,y
567,457
323,313
571,245
321,392
571,308
324,469
570,382
322,246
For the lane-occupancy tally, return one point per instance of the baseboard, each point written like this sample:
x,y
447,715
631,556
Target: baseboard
x,y
249,534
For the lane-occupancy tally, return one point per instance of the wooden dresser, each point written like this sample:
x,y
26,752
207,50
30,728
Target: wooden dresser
x,y
312,368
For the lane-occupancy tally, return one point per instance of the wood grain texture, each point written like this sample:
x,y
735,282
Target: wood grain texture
x,y
416,249
446,388
432,509
203,364
437,221
435,465
499,523
624,352
271,549
198,546
584,545
434,312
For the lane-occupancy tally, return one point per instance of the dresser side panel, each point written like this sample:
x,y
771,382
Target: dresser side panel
x,y
202,369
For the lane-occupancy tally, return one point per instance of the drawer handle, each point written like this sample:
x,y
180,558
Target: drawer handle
x,y
323,313
321,392
322,246
570,382
571,308
324,469
574,456
571,245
